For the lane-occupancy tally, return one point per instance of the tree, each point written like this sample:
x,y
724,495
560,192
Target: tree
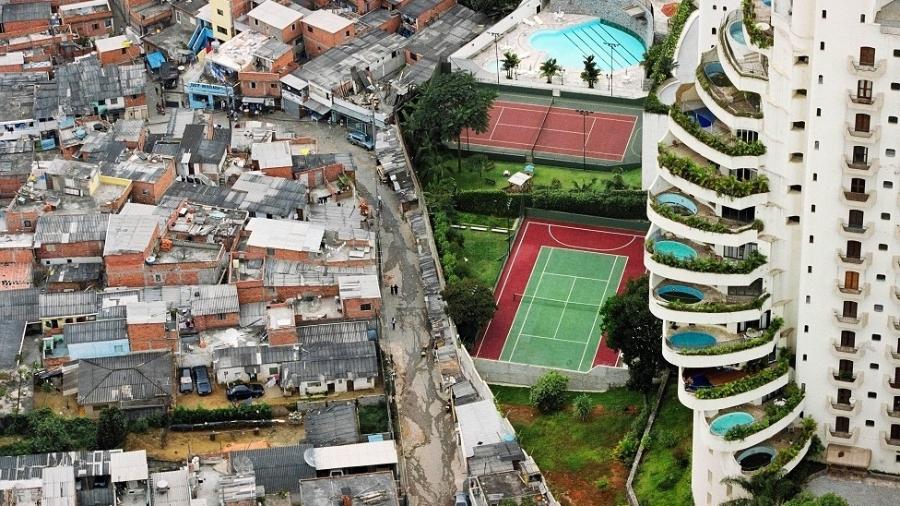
x,y
112,428
583,407
617,182
549,69
447,105
590,74
48,432
510,62
548,394
471,305
766,488
631,328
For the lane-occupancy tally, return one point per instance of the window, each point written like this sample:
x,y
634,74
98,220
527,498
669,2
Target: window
x,y
220,316
252,85
890,153
850,309
124,50
851,280
145,192
365,307
848,339
880,277
220,12
888,184
864,91
824,14
879,308
895,86
882,247
862,123
273,371
858,185
860,155
293,26
157,278
855,218
867,56
347,33
96,26
309,29
26,223
222,30
886,216
842,424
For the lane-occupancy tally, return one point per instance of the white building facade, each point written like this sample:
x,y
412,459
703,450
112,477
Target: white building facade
x,y
774,251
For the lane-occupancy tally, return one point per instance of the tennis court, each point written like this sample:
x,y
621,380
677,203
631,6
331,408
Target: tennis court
x,y
557,322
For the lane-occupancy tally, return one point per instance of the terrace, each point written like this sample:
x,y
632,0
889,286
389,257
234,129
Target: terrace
x,y
712,79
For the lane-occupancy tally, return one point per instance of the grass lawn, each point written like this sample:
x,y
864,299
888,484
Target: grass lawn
x,y
576,457
486,220
469,179
664,476
373,419
483,255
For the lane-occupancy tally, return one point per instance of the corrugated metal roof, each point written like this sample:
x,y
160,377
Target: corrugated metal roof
x,y
67,304
70,228
20,305
214,299
341,332
373,453
237,356
335,424
128,234
11,334
26,12
280,468
95,331
329,361
128,466
132,377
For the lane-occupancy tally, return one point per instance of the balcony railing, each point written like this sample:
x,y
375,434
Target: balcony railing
x,y
859,164
845,376
709,177
860,68
852,228
842,406
857,196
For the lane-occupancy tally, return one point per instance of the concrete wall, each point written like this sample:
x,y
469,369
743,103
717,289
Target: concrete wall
x,y
599,379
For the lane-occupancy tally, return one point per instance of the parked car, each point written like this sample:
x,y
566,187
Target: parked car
x,y
244,391
185,381
360,139
201,379
461,499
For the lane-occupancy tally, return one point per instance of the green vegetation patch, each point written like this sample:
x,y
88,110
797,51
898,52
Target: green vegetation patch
x,y
664,475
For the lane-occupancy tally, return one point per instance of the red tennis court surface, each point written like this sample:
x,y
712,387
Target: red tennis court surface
x,y
557,130
532,235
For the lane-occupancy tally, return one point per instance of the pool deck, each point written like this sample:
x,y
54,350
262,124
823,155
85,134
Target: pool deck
x,y
626,82
710,294
721,334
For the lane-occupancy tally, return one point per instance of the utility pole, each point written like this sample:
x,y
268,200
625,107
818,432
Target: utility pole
x,y
584,115
611,46
496,37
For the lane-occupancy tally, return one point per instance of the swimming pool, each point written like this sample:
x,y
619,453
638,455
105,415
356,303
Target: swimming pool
x,y
570,45
703,116
680,293
677,249
756,458
722,424
716,74
678,203
737,32
691,339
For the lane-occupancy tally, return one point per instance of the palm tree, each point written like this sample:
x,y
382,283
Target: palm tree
x,y
591,73
549,69
766,488
510,62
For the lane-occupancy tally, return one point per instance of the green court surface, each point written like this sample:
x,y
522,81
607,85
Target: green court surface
x,y
557,323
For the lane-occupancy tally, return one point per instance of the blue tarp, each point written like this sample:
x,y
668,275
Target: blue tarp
x,y
155,60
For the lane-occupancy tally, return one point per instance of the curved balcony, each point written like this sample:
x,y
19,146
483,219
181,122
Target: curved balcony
x,y
702,346
865,71
891,412
867,168
846,352
856,232
893,387
747,68
679,301
769,426
698,263
736,108
843,408
714,143
859,293
724,388
865,104
845,380
759,34
858,200
684,216
690,173
785,450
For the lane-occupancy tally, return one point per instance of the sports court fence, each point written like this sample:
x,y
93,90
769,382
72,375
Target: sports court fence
x,y
583,219
598,379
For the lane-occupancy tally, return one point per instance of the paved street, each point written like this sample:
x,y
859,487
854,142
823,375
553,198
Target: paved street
x,y
432,468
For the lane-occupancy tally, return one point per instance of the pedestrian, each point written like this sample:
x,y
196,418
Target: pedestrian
x,y
393,323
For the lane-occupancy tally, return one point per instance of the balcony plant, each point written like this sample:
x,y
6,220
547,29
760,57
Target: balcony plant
x,y
709,177
793,396
715,265
728,103
739,344
717,307
759,38
703,223
747,383
727,144
659,59
807,431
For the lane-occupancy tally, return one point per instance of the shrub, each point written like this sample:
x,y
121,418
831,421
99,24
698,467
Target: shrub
x,y
709,264
666,439
717,307
740,344
548,394
747,383
182,415
583,406
670,479
493,202
758,37
727,144
601,484
709,177
660,58
682,456
785,455
626,448
792,396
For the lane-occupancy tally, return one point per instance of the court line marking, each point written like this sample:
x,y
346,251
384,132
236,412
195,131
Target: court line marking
x,y
530,277
585,248
573,276
576,303
484,141
556,339
496,124
537,289
600,341
583,104
588,230
563,111
596,316
563,314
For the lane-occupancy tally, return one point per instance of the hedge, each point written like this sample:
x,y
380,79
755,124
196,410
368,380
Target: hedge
x,y
714,265
793,396
709,177
619,204
663,52
747,383
183,415
738,345
727,144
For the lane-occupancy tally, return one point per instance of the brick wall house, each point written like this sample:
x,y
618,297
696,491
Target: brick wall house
x,y
323,30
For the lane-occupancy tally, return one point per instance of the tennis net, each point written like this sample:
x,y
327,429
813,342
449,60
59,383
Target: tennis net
x,y
545,301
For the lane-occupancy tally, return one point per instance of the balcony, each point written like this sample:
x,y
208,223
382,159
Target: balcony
x,y
860,168
747,68
769,419
889,442
871,136
867,104
891,384
894,323
845,380
841,437
856,231
714,139
891,411
692,173
849,352
669,256
866,71
854,262
683,215
790,447
843,408
850,321
757,18
859,200
724,387
892,356
723,98
704,346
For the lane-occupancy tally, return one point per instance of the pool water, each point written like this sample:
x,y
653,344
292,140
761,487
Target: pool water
x,y
570,45
678,250
756,458
737,32
716,74
680,293
721,425
678,203
703,116
691,340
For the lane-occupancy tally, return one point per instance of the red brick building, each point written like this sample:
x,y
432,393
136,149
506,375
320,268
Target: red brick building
x,y
150,176
146,323
130,240
24,18
16,248
276,20
360,296
70,238
323,30
119,49
92,18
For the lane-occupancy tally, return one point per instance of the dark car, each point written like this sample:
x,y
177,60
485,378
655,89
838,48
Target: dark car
x,y
201,379
185,381
244,391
